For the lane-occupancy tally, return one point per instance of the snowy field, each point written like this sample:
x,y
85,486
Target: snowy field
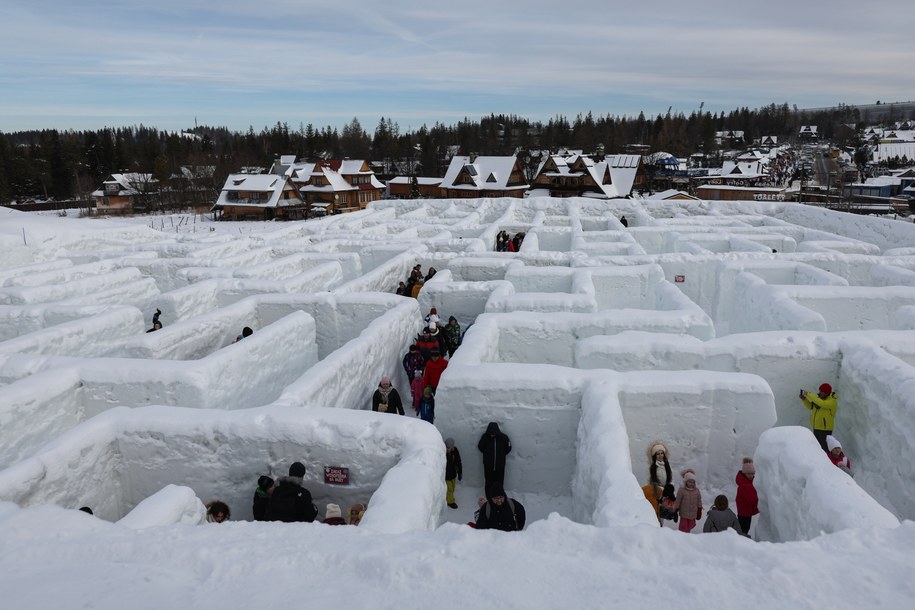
x,y
697,324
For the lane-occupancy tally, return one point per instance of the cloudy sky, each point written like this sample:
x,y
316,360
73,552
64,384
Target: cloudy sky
x,y
165,63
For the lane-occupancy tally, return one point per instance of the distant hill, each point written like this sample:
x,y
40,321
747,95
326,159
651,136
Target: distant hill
x,y
890,111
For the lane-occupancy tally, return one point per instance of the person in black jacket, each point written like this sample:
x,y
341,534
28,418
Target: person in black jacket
x,y
262,498
495,445
290,501
157,325
501,513
386,399
453,470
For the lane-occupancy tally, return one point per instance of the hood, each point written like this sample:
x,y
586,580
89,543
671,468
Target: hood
x,y
493,429
495,491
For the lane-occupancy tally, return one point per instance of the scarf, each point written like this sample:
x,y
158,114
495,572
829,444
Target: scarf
x,y
384,393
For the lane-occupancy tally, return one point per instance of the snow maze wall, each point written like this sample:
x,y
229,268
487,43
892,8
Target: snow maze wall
x,y
586,345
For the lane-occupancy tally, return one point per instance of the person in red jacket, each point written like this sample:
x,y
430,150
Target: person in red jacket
x,y
434,369
747,499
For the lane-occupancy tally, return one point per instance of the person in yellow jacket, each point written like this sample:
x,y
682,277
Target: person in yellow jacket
x,y
822,408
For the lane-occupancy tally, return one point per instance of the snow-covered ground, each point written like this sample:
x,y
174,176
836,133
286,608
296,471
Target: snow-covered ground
x,y
587,345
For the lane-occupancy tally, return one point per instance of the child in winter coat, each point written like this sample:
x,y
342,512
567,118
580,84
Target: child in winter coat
x,y
668,504
747,499
720,517
416,387
836,456
689,501
427,405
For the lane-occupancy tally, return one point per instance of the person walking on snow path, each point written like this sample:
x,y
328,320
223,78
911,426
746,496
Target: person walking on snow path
x,y
386,399
689,501
747,499
720,518
822,406
495,446
453,470
501,512
434,369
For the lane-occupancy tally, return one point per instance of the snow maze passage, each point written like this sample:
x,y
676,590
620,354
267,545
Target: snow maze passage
x,y
696,324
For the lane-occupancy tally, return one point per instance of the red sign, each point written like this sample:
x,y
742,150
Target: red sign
x,y
679,279
336,475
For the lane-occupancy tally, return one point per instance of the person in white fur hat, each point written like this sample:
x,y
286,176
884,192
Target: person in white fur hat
x,y
659,475
836,456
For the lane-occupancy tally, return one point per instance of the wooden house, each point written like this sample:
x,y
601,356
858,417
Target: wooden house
x,y
333,186
258,197
472,177
126,194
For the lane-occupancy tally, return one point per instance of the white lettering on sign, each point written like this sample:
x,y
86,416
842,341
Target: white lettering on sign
x,y
768,197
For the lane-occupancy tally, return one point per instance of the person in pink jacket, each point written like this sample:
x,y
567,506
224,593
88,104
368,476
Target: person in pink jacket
x,y
689,501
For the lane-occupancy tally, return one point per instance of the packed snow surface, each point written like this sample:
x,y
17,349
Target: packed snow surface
x,y
587,345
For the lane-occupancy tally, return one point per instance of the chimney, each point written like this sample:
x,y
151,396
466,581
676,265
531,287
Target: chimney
x,y
473,157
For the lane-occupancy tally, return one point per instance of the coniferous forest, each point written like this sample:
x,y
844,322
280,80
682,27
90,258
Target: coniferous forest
x,y
68,165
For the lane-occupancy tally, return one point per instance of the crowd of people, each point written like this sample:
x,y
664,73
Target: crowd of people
x,y
415,282
287,500
424,363
685,506
504,243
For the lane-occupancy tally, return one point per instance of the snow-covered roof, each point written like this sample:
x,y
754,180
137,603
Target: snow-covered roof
x,y
485,173
265,191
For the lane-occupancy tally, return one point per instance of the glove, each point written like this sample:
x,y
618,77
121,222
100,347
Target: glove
x,y
460,478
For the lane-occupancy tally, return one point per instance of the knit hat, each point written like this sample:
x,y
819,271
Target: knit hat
x,y
435,352
832,442
825,388
688,475
333,510
297,469
748,468
414,348
265,482
449,443
432,326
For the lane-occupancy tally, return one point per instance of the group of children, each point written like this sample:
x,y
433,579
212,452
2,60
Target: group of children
x,y
685,506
